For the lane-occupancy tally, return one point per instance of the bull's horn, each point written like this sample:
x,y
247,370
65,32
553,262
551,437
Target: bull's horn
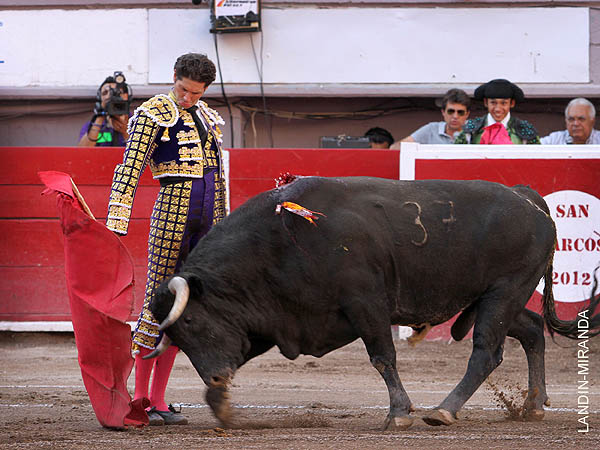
x,y
160,349
180,288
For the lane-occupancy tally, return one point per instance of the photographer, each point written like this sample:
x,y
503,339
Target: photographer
x,y
108,126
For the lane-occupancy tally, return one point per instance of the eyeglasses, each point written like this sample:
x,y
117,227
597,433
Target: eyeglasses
x,y
572,119
460,112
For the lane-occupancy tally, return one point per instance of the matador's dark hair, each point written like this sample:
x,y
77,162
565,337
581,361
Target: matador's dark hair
x,y
196,67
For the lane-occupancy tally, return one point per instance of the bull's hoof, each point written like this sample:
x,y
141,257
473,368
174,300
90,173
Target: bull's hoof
x,y
439,417
398,423
217,398
534,415
533,411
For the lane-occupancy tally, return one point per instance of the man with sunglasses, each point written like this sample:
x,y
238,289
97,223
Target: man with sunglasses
x,y
455,111
498,126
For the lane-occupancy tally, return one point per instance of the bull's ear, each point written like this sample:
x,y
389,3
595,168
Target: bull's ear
x,y
194,283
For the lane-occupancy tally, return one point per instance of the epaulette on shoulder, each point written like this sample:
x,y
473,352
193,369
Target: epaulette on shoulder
x,y
473,125
213,117
524,129
161,109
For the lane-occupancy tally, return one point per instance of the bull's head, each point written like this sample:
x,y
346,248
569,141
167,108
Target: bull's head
x,y
212,345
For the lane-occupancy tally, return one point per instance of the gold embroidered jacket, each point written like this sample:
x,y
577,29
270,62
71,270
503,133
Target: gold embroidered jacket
x,y
163,136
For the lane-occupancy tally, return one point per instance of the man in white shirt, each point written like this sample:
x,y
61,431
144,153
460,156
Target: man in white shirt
x,y
580,116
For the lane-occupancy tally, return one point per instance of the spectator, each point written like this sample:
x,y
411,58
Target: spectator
x,y
455,111
104,129
379,137
499,126
580,116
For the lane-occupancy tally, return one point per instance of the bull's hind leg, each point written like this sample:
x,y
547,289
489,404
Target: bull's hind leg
x,y
528,328
488,346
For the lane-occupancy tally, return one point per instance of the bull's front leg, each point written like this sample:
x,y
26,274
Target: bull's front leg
x,y
400,406
375,331
217,397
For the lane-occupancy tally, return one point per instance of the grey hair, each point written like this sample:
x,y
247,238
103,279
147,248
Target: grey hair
x,y
581,101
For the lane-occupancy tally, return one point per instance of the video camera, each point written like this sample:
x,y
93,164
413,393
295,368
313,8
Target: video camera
x,y
116,105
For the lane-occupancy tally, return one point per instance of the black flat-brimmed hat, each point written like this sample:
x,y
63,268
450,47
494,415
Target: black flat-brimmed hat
x,y
499,88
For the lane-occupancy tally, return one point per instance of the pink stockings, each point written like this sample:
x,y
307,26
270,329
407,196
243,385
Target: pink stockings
x,y
162,368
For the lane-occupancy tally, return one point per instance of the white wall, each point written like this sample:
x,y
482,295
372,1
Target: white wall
x,y
301,45
72,47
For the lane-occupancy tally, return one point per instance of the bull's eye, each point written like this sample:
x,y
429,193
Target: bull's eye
x,y
187,319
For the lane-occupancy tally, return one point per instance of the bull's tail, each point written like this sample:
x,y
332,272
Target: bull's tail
x,y
569,328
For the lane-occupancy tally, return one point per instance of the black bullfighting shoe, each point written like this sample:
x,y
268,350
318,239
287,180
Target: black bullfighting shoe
x,y
172,417
154,418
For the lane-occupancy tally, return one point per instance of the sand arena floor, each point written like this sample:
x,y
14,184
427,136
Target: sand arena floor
x,y
335,402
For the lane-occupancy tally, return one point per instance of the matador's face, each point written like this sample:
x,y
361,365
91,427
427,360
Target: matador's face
x,y
187,91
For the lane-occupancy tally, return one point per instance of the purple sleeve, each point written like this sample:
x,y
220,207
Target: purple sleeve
x,y
84,129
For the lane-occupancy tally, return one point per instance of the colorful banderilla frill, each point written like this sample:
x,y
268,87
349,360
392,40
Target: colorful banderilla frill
x,y
301,211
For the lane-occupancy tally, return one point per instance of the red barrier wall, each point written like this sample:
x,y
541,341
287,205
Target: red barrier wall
x,y
31,248
31,251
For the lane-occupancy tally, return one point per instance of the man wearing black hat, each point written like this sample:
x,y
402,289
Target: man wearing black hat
x,y
498,127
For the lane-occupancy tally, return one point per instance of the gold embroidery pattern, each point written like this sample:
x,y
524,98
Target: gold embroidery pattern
x,y
117,225
218,133
190,154
121,199
213,119
210,156
160,109
167,225
220,208
172,168
188,137
186,116
140,146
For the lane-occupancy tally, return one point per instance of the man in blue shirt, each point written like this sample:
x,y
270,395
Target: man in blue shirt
x,y
455,111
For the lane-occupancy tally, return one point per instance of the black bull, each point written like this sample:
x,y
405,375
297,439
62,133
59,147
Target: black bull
x,y
385,252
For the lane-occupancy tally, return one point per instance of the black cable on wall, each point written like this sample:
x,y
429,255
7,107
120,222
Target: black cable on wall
x,y
223,91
